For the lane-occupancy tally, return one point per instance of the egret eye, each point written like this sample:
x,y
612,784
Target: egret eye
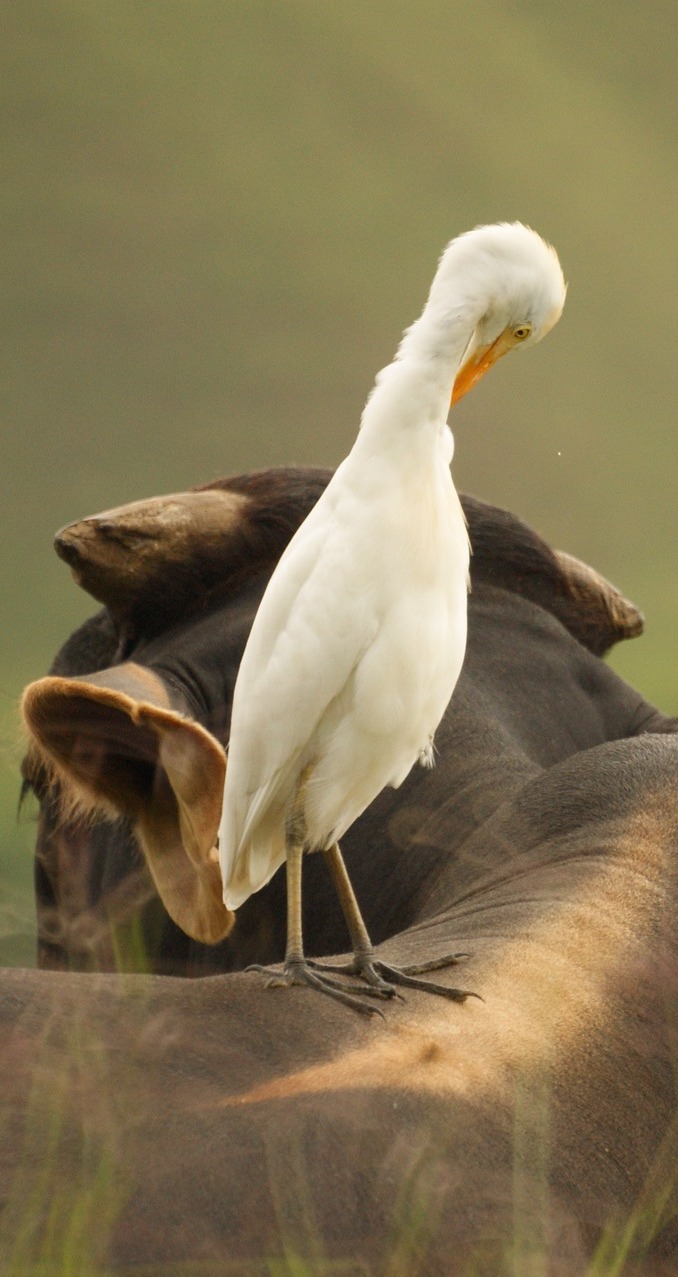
x,y
521,331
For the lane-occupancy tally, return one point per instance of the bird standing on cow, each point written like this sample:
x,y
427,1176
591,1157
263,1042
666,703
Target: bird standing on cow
x,y
360,636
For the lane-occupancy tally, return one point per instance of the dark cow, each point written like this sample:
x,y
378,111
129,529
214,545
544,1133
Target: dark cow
x,y
181,578
217,1126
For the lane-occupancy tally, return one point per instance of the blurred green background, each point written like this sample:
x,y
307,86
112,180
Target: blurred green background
x,y
218,216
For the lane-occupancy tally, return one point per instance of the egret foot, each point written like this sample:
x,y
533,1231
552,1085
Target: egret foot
x,y
408,977
298,972
373,971
364,964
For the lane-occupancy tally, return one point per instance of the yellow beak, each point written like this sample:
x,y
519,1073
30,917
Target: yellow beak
x,y
482,358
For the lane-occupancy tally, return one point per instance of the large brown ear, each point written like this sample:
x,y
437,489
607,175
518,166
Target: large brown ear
x,y
116,747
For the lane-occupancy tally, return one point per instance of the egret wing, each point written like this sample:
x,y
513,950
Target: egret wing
x,y
315,621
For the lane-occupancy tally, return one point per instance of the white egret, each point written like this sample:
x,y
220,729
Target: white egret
x,y
360,636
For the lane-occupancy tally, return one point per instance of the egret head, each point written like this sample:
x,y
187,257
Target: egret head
x,y
510,284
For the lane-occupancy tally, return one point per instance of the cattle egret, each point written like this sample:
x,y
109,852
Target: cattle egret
x,y
360,636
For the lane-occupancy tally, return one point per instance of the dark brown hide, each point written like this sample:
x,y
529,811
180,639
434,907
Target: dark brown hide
x,y
168,561
216,1126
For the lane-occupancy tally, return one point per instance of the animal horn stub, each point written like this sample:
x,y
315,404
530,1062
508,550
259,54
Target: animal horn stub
x,y
604,615
120,554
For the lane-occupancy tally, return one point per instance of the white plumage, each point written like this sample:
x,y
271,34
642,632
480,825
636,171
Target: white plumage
x,y
360,636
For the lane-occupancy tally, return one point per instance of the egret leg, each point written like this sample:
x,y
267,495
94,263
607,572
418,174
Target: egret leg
x,y
296,968
364,963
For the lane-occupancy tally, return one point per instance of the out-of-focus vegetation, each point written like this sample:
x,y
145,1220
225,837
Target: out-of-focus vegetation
x,y
218,217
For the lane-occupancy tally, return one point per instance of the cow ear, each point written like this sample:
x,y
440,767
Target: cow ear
x,y
117,749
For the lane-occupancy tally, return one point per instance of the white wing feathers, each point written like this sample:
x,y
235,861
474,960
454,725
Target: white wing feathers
x,y
334,672
280,697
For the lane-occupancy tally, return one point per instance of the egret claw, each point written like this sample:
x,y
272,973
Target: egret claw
x,y
402,976
300,974
372,970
